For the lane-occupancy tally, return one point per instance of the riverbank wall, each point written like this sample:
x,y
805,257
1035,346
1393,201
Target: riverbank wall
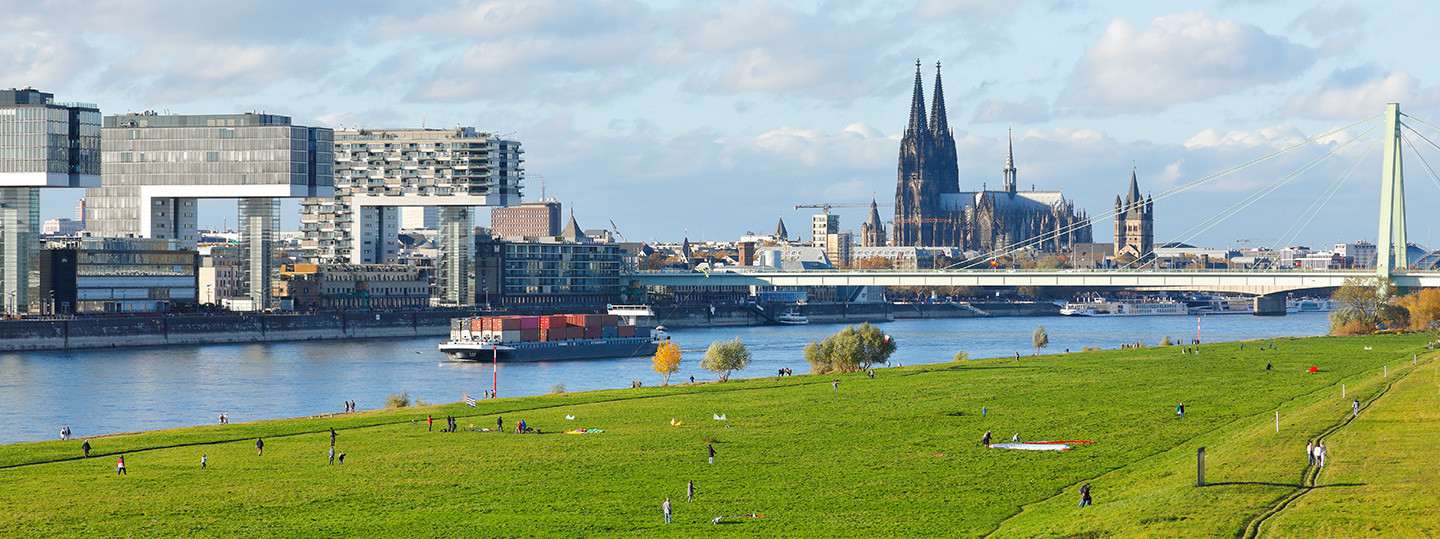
x,y
160,330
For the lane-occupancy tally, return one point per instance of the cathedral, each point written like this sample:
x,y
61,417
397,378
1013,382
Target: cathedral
x,y
932,211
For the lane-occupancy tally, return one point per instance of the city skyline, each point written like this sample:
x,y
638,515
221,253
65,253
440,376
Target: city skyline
x,y
719,118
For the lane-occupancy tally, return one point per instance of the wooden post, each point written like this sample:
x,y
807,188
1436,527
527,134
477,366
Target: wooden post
x,y
1200,467
1277,420
1342,391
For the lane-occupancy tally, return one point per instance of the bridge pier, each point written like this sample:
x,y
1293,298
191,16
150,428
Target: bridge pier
x,y
1270,305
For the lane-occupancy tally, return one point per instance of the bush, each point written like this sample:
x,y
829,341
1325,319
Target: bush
x,y
852,349
1166,341
962,355
1353,327
1090,349
400,400
557,389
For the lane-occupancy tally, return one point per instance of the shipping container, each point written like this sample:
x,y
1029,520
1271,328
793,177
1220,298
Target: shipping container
x,y
592,332
626,331
509,335
507,323
553,321
611,319
609,332
530,334
477,324
529,322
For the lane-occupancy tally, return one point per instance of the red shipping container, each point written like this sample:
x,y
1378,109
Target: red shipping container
x,y
592,332
529,334
476,325
544,335
529,322
553,321
627,331
508,323
574,333
612,319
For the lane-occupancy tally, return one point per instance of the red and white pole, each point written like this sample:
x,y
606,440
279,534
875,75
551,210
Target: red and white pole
x,y
495,372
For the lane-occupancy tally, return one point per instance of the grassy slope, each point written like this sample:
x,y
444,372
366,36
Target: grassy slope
x,y
894,456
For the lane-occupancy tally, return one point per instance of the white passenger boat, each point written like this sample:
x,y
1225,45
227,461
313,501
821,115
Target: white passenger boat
x,y
1125,307
1220,305
792,317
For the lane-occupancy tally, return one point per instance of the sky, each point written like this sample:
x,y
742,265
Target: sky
x,y
710,119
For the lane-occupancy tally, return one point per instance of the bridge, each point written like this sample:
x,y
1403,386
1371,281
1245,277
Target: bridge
x,y
1392,259
1260,283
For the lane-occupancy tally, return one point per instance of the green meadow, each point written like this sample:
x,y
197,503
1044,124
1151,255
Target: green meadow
x,y
898,455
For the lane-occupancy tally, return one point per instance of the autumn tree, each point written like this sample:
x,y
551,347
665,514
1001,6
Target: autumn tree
x,y
876,263
724,357
1362,302
667,360
1424,308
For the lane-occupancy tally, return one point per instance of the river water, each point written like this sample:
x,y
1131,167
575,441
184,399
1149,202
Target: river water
x,y
109,391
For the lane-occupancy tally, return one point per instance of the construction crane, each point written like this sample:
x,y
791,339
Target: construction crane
x,y
1245,243
825,206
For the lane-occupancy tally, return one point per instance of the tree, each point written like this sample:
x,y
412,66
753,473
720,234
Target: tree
x,y
727,356
852,349
875,262
1052,262
1424,308
667,360
1040,338
1362,301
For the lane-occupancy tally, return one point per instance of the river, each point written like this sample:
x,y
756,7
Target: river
x,y
108,391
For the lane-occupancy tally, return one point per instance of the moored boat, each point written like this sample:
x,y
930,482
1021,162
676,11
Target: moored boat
x,y
553,337
1125,307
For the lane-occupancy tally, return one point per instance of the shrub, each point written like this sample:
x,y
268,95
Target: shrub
x,y
1353,327
1040,338
962,355
557,389
400,400
1166,341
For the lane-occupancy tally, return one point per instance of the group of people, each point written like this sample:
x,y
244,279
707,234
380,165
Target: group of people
x,y
224,418
65,432
349,406
1316,453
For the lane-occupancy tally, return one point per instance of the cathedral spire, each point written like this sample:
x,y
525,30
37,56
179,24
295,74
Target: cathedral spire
x,y
1009,171
917,104
938,123
1133,197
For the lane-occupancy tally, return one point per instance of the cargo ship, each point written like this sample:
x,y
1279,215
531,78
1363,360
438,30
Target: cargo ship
x,y
554,337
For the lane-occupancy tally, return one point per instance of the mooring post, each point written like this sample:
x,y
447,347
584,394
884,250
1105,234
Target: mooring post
x,y
1200,467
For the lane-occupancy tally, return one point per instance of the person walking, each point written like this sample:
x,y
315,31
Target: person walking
x,y
1355,408
332,454
1320,452
499,424
65,432
332,437
430,421
203,459
1310,451
120,466
1180,410
1085,495
985,440
666,507
259,447
711,448
690,491
834,385
85,448
983,411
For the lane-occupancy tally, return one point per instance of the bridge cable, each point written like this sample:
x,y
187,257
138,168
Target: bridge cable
x,y
1327,195
1433,178
1255,197
985,257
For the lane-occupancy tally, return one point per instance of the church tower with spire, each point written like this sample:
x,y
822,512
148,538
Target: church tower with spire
x,y
872,231
928,169
1134,224
1009,171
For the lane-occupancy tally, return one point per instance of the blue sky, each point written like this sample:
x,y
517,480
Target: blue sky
x,y
719,117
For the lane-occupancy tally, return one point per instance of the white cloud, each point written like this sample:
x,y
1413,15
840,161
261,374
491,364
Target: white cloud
x,y
1031,110
44,60
1343,98
1274,137
1179,58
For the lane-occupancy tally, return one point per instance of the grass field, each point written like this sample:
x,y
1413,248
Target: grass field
x,y
897,455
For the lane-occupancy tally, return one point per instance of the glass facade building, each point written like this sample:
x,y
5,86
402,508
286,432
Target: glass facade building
x,y
158,166
42,144
115,275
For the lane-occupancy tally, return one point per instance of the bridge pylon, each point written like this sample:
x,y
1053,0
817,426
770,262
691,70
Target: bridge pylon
x,y
1392,245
